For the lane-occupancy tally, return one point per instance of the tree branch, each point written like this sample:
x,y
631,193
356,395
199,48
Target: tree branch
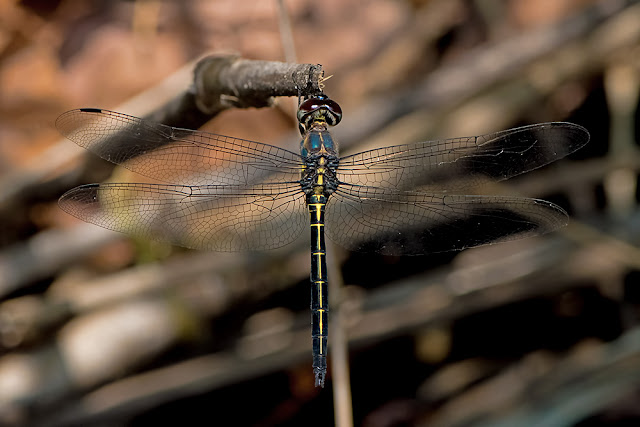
x,y
222,82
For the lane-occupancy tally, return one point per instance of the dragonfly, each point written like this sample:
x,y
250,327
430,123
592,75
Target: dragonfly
x,y
220,193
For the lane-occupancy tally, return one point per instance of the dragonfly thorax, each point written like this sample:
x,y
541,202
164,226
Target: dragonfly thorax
x,y
319,174
318,141
319,152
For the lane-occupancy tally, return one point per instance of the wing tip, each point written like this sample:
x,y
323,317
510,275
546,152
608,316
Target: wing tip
x,y
84,196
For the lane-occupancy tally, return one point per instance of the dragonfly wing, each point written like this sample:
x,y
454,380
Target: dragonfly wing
x,y
458,164
175,155
393,222
220,218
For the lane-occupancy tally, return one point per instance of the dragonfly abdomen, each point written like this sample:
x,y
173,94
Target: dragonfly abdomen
x,y
319,300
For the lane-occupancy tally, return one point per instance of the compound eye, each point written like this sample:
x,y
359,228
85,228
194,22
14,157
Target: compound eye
x,y
323,106
308,107
334,111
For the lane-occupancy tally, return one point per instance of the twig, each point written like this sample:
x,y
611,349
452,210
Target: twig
x,y
252,83
286,32
338,348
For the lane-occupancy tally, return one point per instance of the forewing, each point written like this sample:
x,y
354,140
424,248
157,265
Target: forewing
x,y
220,218
174,155
393,222
457,164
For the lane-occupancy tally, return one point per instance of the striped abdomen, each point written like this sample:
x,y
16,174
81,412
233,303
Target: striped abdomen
x,y
319,303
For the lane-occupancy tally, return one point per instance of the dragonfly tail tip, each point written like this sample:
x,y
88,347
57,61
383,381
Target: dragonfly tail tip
x,y
320,374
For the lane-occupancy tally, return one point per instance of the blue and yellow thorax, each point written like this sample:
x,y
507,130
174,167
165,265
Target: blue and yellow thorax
x,y
318,148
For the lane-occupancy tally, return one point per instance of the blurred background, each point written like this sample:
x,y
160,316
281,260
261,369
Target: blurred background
x,y
97,328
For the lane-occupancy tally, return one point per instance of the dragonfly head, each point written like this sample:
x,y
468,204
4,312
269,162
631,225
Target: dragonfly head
x,y
318,109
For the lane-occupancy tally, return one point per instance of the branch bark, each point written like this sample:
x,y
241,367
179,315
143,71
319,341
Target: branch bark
x,y
223,82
